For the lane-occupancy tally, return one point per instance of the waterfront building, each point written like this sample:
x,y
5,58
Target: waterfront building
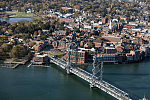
x,y
133,56
110,50
111,58
79,56
40,59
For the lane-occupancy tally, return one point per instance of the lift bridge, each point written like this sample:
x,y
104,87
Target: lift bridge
x,y
94,79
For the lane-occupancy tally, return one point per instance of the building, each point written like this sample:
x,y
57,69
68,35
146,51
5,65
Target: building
x,y
145,49
67,9
79,56
111,58
40,59
112,39
133,56
60,32
104,20
110,50
82,55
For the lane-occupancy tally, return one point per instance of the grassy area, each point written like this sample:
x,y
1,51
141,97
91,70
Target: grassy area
x,y
21,14
57,53
61,55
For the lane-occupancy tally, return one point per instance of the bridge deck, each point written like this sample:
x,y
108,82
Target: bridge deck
x,y
105,86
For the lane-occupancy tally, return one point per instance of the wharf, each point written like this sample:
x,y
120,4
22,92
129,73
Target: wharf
x,y
15,66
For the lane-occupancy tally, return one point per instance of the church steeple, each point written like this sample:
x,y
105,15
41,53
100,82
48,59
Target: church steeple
x,y
110,26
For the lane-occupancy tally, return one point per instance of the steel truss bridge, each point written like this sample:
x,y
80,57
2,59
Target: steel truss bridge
x,y
92,79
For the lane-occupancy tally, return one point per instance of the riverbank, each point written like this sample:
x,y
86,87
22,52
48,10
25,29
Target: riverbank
x,y
10,63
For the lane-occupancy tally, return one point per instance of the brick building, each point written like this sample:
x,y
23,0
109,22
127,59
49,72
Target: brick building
x,y
110,50
82,54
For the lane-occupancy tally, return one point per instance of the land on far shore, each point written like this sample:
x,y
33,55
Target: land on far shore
x,y
21,14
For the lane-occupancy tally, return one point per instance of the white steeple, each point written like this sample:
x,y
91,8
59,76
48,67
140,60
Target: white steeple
x,y
110,26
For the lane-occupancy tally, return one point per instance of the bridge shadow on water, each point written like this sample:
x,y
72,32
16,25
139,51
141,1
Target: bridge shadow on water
x,y
138,88
101,93
84,84
127,90
127,74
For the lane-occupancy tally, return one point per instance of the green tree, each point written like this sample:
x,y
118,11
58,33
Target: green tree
x,y
19,51
6,47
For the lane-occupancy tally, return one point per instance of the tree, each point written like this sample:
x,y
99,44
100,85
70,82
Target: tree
x,y
31,44
6,47
19,51
91,44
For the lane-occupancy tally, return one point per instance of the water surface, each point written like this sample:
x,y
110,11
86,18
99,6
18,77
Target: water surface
x,y
38,83
17,19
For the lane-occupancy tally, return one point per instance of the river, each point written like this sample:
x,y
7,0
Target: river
x,y
52,83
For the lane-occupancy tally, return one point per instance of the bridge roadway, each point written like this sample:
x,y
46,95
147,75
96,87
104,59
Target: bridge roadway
x,y
105,86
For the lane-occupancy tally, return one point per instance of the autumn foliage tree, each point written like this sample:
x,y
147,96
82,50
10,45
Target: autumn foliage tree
x,y
19,51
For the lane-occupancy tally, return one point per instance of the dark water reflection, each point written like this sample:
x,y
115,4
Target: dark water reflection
x,y
37,83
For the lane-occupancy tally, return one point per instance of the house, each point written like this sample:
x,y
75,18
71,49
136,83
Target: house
x,y
129,26
104,20
110,58
98,43
38,42
133,56
55,44
60,32
39,45
145,49
120,49
62,45
67,9
67,20
40,59
112,39
110,50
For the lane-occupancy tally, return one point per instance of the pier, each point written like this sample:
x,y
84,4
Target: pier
x,y
91,79
15,66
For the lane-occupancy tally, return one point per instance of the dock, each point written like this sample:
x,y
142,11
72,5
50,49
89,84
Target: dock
x,y
15,66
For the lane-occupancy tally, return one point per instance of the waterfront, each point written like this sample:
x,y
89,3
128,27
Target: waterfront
x,y
17,19
54,84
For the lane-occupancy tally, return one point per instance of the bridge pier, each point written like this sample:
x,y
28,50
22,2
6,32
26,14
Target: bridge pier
x,y
92,86
68,71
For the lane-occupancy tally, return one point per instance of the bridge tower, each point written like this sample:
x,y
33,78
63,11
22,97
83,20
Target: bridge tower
x,y
76,54
72,46
97,71
68,60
